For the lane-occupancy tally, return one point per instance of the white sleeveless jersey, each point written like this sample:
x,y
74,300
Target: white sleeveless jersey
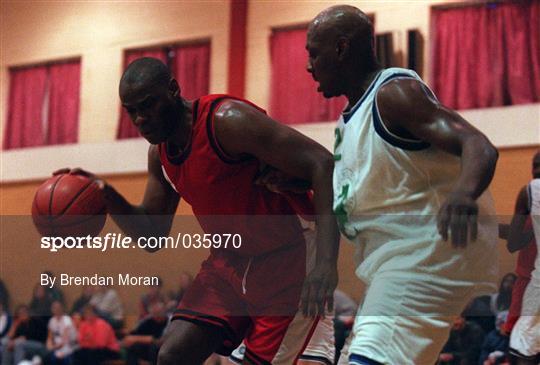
x,y
389,189
533,192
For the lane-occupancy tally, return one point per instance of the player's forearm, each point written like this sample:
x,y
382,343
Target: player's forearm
x,y
478,161
518,237
133,219
327,228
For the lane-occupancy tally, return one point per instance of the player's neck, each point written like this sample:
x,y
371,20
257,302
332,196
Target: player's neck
x,y
182,135
359,84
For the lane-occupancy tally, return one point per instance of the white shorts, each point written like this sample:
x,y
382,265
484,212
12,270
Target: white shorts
x,y
405,320
320,349
525,336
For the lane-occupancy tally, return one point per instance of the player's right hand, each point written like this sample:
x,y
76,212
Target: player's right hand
x,y
79,171
458,219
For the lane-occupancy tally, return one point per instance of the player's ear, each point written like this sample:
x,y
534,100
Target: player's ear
x,y
343,46
174,88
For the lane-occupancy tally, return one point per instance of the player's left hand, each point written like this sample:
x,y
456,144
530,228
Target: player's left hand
x,y
458,217
318,290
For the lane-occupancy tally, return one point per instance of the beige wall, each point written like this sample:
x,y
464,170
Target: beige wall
x,y
99,32
390,16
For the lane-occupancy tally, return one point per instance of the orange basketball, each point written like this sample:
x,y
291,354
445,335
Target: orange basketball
x,y
69,205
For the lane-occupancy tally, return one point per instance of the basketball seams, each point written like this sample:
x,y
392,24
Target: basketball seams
x,y
70,203
52,193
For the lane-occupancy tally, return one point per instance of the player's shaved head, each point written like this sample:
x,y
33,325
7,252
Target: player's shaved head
x,y
345,22
145,72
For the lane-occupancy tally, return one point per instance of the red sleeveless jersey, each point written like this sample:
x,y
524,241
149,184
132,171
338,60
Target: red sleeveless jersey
x,y
222,193
527,255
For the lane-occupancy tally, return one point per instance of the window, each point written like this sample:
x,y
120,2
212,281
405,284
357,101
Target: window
x,y
43,106
486,55
293,92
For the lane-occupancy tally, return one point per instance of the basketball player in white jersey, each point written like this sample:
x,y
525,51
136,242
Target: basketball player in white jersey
x,y
525,336
410,184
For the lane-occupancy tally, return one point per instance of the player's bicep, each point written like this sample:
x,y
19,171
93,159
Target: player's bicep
x,y
159,196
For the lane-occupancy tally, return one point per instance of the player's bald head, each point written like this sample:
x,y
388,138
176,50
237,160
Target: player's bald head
x,y
144,73
344,21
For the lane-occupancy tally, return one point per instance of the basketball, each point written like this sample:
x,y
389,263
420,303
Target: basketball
x,y
69,205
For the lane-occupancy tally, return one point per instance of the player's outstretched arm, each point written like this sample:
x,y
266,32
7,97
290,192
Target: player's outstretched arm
x,y
243,130
518,236
408,108
153,217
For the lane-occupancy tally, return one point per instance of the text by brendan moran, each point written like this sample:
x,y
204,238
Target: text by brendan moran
x,y
95,279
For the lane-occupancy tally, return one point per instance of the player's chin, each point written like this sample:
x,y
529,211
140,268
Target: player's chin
x,y
152,139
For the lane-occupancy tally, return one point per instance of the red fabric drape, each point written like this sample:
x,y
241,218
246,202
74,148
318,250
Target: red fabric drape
x,y
190,66
484,56
63,121
126,129
293,95
26,96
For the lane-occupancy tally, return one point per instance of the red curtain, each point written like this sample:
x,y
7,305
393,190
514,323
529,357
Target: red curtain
x,y
484,56
24,125
190,65
293,95
63,120
126,129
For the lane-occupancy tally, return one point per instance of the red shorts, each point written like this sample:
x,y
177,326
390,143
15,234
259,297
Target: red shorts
x,y
515,306
252,299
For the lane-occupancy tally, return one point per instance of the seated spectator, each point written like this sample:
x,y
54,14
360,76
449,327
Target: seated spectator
x,y
108,306
153,295
83,299
62,337
5,321
54,293
463,346
4,295
479,312
184,282
495,347
97,342
144,341
345,311
40,305
500,302
25,339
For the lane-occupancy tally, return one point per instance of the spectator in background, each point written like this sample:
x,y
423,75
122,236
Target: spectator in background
x,y
144,341
5,321
108,306
500,302
4,296
154,294
495,347
97,342
463,346
25,339
54,293
344,312
40,304
479,312
83,299
62,337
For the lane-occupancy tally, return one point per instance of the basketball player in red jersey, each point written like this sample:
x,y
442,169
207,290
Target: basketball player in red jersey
x,y
209,152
